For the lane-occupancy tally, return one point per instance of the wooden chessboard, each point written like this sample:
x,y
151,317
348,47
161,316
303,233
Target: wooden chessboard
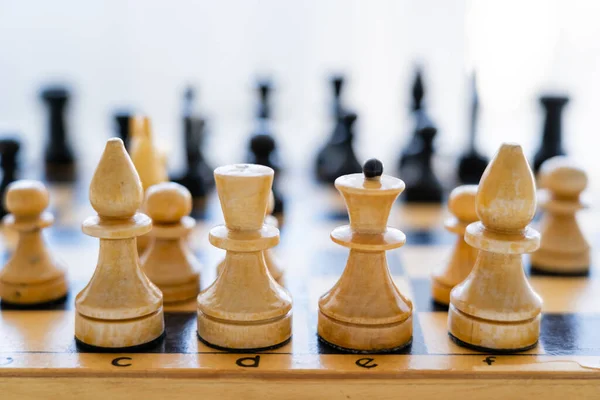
x,y
39,357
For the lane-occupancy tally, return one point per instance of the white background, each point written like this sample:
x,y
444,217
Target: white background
x,y
141,54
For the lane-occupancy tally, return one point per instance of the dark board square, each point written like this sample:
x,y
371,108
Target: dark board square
x,y
570,334
422,301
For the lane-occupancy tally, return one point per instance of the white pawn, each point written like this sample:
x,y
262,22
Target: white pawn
x,y
32,275
462,205
563,249
245,308
168,261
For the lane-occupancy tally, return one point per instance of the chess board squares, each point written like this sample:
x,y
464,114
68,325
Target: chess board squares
x,y
36,331
567,294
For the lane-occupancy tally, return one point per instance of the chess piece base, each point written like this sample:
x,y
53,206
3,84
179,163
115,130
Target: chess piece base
x,y
394,350
365,338
38,293
140,348
561,263
493,336
440,292
180,292
116,334
244,335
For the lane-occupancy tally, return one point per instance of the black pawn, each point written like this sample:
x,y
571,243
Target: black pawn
x,y
471,164
552,137
59,158
417,108
263,149
422,186
9,149
338,158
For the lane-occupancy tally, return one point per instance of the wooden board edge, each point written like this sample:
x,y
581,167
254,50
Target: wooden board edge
x,y
292,389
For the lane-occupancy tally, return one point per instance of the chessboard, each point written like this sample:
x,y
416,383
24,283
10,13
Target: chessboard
x,y
39,357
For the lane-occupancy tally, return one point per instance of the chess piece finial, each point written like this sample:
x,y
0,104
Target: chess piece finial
x,y
563,249
32,275
265,87
168,262
245,308
365,311
119,307
495,308
461,204
337,82
418,90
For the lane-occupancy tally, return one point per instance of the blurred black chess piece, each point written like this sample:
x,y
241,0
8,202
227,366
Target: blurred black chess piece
x,y
339,158
9,149
122,120
422,186
59,157
263,124
472,163
552,137
198,175
262,148
417,108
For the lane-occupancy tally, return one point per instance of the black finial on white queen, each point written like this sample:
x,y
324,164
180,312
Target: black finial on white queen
x,y
372,168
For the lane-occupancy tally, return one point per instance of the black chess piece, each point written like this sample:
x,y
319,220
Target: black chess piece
x,y
552,137
339,158
122,119
417,108
472,163
262,147
59,157
338,134
263,122
198,175
9,149
422,186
